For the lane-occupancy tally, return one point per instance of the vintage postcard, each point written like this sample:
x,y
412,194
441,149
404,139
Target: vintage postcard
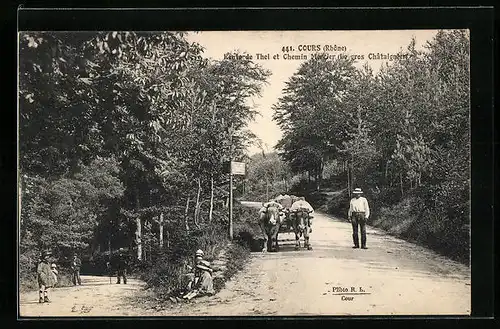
x,y
244,173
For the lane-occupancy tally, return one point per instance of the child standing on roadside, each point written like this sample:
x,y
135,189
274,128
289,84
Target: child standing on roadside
x,y
45,277
53,267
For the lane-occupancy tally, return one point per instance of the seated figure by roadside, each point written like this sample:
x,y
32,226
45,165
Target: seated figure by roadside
x,y
202,282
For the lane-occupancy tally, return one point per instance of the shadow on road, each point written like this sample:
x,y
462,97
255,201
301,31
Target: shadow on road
x,y
29,302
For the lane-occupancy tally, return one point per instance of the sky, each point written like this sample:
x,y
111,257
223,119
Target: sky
x,y
217,43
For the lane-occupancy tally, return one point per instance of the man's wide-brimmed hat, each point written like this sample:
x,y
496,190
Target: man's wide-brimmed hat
x,y
53,265
357,191
46,253
199,252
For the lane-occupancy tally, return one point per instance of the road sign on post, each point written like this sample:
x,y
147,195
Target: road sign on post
x,y
236,168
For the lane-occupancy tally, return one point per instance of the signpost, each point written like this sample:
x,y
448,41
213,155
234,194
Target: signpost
x,y
237,168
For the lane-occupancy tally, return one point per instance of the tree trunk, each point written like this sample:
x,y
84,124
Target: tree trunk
x,y
320,175
150,248
352,176
386,170
161,230
197,207
210,213
267,189
348,180
138,229
401,183
138,237
168,239
186,212
20,193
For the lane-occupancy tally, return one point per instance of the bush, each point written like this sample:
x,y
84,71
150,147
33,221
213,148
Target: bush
x,y
167,276
414,220
167,273
303,186
397,219
237,257
28,263
338,205
28,279
246,229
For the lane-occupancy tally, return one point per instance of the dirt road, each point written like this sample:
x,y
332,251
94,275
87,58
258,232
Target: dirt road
x,y
392,277
95,297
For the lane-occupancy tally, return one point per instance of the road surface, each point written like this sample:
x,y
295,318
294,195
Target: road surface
x,y
392,277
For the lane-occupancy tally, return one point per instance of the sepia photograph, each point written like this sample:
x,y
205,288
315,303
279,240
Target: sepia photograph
x,y
244,173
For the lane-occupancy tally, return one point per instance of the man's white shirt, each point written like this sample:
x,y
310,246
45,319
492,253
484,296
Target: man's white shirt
x,y
359,205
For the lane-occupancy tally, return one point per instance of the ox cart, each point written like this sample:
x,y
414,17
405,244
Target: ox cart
x,y
286,226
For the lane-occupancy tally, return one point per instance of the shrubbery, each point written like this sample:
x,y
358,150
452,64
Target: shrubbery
x,y
28,276
338,205
167,274
247,230
435,220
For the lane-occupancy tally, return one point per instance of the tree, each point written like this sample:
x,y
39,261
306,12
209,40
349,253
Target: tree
x,y
64,213
267,175
311,115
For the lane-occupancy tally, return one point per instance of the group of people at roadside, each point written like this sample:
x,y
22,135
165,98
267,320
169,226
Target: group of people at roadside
x,y
200,281
48,275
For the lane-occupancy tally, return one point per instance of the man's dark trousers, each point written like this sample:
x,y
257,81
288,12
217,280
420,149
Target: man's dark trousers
x,y
76,277
358,218
122,273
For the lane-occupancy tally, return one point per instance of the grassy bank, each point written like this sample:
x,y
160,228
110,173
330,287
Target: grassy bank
x,y
237,254
167,276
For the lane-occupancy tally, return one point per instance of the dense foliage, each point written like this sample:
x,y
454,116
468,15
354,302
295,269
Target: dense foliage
x,y
267,176
123,141
401,134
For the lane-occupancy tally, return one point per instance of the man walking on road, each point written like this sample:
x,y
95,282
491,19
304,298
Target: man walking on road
x,y
121,266
75,269
358,214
